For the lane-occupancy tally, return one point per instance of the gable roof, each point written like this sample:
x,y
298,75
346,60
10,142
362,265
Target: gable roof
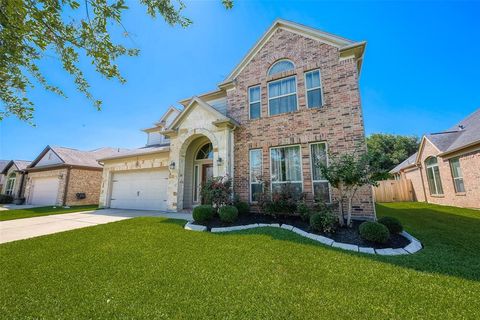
x,y
75,157
325,37
20,164
197,101
463,134
169,111
410,161
3,164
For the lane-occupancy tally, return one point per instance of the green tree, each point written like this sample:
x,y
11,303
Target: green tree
x,y
31,30
388,150
347,173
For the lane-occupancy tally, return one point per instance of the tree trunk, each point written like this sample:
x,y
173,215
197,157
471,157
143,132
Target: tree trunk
x,y
340,212
349,213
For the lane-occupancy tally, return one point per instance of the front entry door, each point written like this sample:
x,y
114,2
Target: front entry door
x,y
207,173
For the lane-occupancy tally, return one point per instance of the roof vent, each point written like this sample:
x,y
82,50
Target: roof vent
x,y
461,127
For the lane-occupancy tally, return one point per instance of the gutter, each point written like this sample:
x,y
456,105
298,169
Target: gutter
x,y
133,155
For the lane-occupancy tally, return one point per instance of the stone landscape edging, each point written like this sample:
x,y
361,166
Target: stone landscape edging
x,y
413,247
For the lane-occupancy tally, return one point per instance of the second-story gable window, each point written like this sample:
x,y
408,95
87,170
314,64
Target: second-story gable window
x,y
313,86
282,95
280,66
254,102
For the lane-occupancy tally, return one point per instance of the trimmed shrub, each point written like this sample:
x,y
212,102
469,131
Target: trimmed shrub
x,y
392,224
323,222
304,211
374,231
5,198
242,207
228,213
202,213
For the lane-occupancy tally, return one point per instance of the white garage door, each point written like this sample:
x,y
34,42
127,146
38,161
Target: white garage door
x,y
143,190
44,191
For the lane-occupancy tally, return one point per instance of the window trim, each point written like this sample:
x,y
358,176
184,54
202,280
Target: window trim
x,y
250,102
250,194
301,164
431,166
319,87
456,178
274,63
311,169
283,95
11,190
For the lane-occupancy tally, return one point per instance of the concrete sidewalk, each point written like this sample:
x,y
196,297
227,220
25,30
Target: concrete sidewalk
x,y
12,230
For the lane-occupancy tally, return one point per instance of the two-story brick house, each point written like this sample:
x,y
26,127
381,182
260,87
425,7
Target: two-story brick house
x,y
293,98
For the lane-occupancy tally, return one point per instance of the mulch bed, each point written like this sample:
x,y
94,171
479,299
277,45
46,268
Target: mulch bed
x,y
344,235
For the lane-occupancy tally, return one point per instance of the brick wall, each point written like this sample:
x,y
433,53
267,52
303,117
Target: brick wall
x,y
339,122
84,181
469,164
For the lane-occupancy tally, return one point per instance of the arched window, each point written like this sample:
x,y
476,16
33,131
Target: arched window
x,y
433,176
10,185
281,66
205,152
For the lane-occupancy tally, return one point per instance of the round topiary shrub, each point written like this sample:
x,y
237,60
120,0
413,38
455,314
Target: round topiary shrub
x,y
392,224
228,213
374,231
242,207
202,213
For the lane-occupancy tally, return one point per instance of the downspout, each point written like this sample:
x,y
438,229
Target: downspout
x,y
67,180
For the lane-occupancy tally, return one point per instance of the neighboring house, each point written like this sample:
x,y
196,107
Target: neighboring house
x,y
446,168
65,176
3,163
294,96
14,174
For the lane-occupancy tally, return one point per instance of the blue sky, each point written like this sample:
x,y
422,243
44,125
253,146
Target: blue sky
x,y
421,71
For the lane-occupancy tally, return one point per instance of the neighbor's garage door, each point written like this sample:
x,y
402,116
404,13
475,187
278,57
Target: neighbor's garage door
x,y
44,191
143,190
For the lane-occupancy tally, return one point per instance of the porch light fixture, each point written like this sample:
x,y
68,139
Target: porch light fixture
x,y
172,165
219,161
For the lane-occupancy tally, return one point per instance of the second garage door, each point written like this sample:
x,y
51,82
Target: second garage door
x,y
44,191
142,190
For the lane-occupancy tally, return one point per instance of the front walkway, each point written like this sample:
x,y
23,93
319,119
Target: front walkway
x,y
12,230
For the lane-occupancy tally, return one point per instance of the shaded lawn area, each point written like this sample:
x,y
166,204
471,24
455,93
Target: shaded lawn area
x,y
41,211
152,268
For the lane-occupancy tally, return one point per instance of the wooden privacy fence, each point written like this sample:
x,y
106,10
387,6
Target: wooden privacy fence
x,y
394,191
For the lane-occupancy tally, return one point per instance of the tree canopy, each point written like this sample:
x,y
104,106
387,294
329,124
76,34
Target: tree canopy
x,y
31,30
388,150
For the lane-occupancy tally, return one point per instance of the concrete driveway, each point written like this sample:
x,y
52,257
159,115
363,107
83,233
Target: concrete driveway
x,y
33,227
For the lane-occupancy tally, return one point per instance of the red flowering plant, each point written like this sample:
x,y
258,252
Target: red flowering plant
x,y
217,191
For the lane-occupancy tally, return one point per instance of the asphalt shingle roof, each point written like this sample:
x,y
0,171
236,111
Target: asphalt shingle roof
x,y
407,162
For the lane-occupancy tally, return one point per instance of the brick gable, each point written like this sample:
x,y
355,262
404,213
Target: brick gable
x,y
339,122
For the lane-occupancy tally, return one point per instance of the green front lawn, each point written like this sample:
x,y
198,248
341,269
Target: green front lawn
x,y
41,211
152,268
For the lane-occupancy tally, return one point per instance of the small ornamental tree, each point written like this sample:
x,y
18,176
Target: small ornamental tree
x,y
347,173
217,191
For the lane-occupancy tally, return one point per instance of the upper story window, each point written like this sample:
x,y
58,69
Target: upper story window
x,y
254,102
457,175
205,152
280,66
282,95
313,86
433,176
